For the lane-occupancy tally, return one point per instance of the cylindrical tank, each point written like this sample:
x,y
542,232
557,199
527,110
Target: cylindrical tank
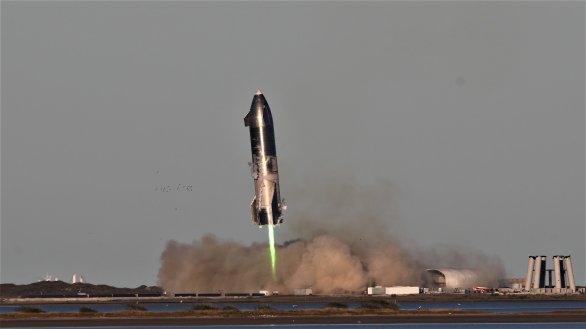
x,y
530,272
537,272
543,271
570,272
558,272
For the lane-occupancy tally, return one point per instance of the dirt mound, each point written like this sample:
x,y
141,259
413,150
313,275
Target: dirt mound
x,y
60,288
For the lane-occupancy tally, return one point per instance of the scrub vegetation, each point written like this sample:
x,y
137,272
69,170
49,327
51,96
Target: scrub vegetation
x,y
87,309
136,307
29,309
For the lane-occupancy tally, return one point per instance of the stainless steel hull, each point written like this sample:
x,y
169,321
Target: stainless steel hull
x,y
267,206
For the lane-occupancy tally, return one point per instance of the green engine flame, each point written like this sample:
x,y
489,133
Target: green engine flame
x,y
272,251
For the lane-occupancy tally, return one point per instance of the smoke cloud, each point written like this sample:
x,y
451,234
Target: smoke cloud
x,y
342,243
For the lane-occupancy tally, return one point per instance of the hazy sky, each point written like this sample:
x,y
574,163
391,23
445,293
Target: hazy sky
x,y
472,112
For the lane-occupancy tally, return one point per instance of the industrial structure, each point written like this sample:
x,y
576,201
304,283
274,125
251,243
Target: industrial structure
x,y
558,280
303,291
394,291
450,278
77,278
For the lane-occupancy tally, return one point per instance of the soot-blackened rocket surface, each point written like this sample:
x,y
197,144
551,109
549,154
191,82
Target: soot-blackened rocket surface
x,y
267,206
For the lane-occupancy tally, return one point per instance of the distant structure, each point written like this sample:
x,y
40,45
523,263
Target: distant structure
x,y
77,278
303,291
396,290
48,277
535,278
449,278
559,280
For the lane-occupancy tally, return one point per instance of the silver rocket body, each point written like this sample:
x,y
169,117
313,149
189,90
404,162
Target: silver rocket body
x,y
267,207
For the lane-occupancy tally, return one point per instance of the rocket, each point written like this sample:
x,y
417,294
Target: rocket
x,y
267,207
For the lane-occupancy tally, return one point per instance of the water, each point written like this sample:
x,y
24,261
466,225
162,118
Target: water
x,y
492,307
372,326
498,307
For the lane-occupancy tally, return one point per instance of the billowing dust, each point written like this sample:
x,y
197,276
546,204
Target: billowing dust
x,y
342,239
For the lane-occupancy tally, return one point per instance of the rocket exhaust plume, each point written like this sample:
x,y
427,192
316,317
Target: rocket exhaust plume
x,y
359,251
272,250
267,206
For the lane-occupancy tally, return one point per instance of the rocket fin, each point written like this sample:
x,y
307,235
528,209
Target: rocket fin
x,y
254,211
249,119
277,211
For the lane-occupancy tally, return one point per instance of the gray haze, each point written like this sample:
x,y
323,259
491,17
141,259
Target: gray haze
x,y
473,113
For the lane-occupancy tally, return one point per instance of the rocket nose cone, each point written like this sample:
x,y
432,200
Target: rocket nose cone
x,y
258,92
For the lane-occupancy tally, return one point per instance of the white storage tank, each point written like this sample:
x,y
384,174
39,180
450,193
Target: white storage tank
x,y
378,290
403,290
302,292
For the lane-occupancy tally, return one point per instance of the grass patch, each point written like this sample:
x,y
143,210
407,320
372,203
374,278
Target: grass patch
x,y
29,309
87,309
203,307
379,304
230,308
337,305
136,307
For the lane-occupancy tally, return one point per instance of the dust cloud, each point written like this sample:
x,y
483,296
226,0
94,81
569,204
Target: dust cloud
x,y
339,241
